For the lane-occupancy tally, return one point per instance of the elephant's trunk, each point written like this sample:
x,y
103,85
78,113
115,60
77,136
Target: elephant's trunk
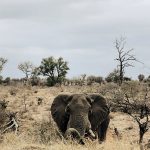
x,y
81,123
73,133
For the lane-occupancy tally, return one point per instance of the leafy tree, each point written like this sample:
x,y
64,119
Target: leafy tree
x,y
61,69
113,76
141,77
54,69
91,79
34,79
26,68
2,63
99,79
7,81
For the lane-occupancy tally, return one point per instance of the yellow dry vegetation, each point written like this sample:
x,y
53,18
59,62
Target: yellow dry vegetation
x,y
12,142
37,130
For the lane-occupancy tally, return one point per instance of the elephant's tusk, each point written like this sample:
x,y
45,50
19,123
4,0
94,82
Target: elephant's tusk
x,y
72,132
91,133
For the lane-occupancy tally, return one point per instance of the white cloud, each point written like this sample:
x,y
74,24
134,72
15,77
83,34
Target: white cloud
x,y
82,31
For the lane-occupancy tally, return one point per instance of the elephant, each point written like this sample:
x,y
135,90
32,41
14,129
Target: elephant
x,y
81,115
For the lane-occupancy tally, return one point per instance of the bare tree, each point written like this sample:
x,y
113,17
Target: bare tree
x,y
83,77
125,58
27,68
138,109
2,62
7,119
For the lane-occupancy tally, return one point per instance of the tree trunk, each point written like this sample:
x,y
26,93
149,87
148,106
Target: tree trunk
x,y
141,137
121,73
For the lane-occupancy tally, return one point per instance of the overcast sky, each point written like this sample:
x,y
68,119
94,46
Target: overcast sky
x,y
81,31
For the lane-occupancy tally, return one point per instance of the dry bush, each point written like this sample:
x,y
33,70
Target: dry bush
x,y
12,142
13,91
131,85
3,117
108,89
45,132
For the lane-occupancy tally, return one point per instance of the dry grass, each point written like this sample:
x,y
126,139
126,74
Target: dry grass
x,y
37,131
12,142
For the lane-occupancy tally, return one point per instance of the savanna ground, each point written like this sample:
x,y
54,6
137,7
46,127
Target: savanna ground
x,y
37,131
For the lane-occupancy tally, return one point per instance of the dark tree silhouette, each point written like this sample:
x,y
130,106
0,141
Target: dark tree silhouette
x,y
125,58
141,77
54,69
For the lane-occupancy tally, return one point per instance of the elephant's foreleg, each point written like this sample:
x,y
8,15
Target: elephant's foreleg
x,y
102,130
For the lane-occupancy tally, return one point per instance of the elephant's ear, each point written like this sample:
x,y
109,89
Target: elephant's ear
x,y
58,111
99,110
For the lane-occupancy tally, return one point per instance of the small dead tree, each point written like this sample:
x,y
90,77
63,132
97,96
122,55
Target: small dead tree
x,y
2,62
125,58
138,109
143,126
7,119
83,77
26,68
11,124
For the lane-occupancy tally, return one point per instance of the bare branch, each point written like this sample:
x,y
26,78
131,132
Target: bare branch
x,y
136,108
124,58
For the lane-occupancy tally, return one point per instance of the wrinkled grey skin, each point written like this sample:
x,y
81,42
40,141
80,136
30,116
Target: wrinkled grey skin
x,y
83,114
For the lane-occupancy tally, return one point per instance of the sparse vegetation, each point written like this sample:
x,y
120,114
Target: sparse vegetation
x,y
94,79
36,125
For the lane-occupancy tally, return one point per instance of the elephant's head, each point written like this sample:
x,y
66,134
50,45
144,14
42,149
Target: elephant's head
x,y
80,112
